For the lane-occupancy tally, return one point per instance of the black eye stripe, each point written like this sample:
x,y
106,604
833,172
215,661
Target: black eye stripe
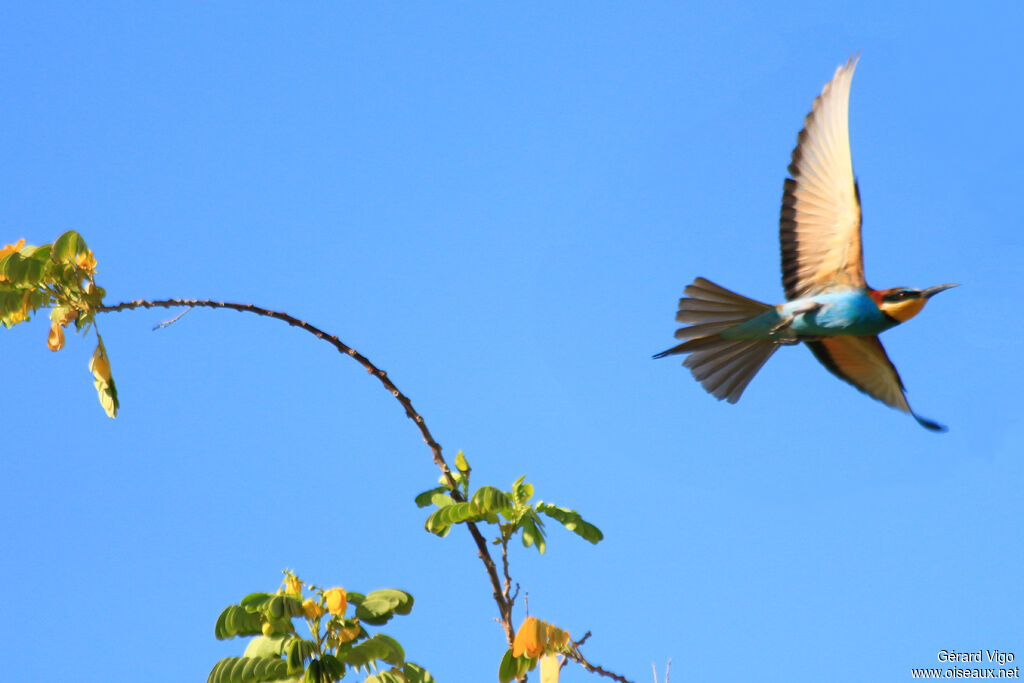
x,y
901,295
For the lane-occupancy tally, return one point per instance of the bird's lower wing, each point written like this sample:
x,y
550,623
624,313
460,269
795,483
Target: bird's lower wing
x,y
862,362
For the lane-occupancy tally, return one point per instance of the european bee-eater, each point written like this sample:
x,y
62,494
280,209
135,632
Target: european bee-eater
x,y
828,305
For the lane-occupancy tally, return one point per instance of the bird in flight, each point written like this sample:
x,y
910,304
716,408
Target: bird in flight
x,y
829,306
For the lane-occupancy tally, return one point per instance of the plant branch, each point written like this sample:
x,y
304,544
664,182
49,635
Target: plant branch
x,y
504,606
577,656
504,567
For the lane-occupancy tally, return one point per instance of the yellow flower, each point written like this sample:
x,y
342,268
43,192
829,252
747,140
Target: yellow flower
x,y
549,669
530,638
311,609
292,585
337,600
56,339
557,638
86,261
11,248
349,632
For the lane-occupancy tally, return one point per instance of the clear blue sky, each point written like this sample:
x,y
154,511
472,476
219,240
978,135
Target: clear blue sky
x,y
500,204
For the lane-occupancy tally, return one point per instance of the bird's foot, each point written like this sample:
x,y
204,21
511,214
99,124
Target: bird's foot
x,y
787,322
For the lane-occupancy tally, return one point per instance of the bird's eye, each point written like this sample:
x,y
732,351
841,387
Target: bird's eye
x,y
901,295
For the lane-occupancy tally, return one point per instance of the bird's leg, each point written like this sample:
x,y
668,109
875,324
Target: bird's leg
x,y
787,321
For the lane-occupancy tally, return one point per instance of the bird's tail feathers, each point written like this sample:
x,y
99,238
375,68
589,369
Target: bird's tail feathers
x,y
708,304
724,367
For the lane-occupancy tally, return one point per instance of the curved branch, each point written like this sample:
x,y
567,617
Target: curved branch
x,y
504,606
575,655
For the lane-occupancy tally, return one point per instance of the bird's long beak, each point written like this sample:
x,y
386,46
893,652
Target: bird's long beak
x,y
932,291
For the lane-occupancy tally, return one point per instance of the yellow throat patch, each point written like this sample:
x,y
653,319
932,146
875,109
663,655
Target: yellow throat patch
x,y
903,310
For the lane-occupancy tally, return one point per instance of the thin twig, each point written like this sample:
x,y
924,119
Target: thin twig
x,y
575,655
504,567
504,608
168,323
594,669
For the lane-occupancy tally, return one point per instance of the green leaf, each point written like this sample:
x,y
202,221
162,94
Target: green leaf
x,y
414,673
265,646
275,605
268,646
572,521
506,670
275,608
333,667
249,670
218,668
485,504
12,303
389,676
22,271
521,492
443,518
41,253
237,671
533,533
99,365
379,606
67,247
427,497
295,658
227,672
58,312
272,670
378,648
306,648
512,668
255,602
442,500
286,605
313,672
489,499
235,620
438,529
13,267
461,463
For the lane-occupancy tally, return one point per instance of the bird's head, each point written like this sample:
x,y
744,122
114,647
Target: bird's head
x,y
903,303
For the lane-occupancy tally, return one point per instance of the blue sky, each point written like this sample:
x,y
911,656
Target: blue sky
x,y
500,204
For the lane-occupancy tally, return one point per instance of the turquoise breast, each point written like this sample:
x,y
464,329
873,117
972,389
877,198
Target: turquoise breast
x,y
852,312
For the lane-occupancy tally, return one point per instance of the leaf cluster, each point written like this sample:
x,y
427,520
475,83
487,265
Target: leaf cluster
x,y
536,641
510,510
337,644
60,277
61,274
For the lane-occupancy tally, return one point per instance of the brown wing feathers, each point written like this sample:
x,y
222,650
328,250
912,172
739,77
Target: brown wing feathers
x,y
819,226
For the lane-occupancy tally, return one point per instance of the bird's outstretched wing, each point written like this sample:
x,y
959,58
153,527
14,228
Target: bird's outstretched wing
x,y
862,362
819,228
